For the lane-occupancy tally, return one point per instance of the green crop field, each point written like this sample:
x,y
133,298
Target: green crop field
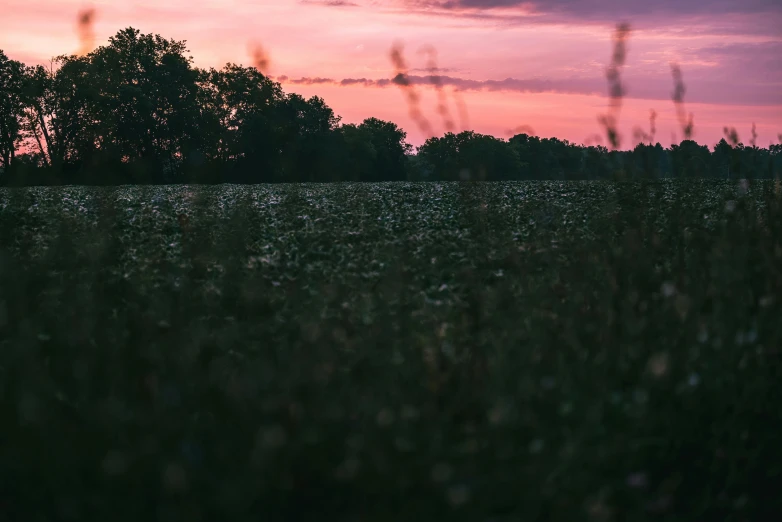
x,y
557,351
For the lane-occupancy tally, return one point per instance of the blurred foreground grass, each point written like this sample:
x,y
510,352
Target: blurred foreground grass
x,y
460,351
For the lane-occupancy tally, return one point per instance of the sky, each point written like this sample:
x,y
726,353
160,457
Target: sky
x,y
505,66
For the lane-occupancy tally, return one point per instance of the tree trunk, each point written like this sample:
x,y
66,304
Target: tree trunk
x,y
46,137
5,139
34,128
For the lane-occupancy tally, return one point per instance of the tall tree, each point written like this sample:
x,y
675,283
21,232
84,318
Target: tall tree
x,y
388,141
374,150
61,119
528,149
12,83
241,118
690,159
470,156
147,99
308,139
438,157
722,161
357,156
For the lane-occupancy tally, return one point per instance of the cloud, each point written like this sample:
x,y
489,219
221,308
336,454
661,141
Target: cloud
x,y
743,59
657,87
574,86
365,82
610,9
305,81
436,69
726,17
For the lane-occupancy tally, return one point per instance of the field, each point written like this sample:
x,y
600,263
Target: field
x,y
399,351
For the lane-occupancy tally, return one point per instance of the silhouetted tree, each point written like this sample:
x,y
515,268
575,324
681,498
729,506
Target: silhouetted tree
x,y
374,150
594,162
136,110
12,83
307,139
62,121
690,160
241,122
775,160
357,155
470,156
526,148
147,100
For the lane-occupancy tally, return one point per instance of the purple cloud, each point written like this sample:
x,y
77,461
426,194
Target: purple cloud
x,y
755,17
610,9
656,87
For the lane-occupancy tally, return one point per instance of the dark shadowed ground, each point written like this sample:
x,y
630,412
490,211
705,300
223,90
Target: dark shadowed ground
x,y
394,351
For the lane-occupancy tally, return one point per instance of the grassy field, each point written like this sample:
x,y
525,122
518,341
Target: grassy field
x,y
412,351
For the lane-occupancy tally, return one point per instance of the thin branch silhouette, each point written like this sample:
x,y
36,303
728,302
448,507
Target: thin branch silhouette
x,y
434,78
615,87
260,58
732,135
461,106
413,100
652,125
86,31
679,90
641,135
593,138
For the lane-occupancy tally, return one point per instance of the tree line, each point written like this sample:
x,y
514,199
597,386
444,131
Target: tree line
x,y
137,111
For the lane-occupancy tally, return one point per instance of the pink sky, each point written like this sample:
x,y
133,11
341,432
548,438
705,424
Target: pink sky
x,y
536,63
